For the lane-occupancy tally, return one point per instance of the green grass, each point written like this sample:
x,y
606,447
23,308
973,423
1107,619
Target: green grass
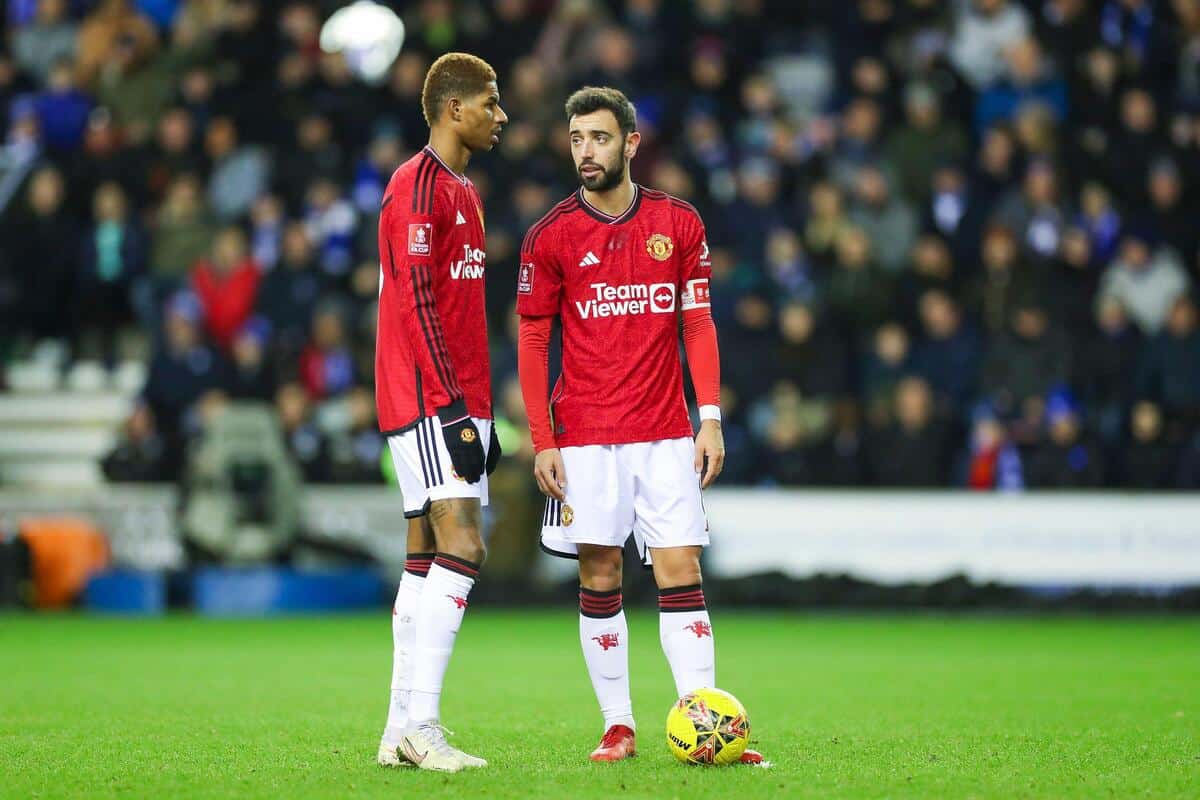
x,y
859,706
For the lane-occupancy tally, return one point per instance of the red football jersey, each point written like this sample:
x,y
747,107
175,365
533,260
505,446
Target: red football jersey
x,y
618,285
432,344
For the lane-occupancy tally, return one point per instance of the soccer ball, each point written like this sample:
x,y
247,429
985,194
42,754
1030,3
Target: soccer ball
x,y
708,726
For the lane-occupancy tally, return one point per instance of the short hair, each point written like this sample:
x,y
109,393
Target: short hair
x,y
595,98
453,75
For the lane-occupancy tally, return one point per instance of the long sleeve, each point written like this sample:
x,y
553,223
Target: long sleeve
x,y
409,252
699,332
533,370
703,356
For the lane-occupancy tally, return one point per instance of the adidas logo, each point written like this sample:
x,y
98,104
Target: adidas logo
x,y
461,219
589,260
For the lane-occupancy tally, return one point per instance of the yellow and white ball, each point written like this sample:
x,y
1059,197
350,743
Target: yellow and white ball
x,y
708,726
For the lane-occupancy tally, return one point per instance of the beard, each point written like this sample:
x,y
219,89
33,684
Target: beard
x,y
609,178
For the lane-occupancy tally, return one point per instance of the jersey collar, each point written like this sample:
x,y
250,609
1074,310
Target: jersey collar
x,y
608,219
461,178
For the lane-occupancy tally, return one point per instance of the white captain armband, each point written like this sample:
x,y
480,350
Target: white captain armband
x,y
695,294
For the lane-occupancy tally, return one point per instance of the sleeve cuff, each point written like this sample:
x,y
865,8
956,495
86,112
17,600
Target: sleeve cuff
x,y
710,412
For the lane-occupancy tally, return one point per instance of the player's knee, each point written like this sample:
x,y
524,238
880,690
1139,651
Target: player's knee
x,y
457,526
467,547
669,576
600,568
462,542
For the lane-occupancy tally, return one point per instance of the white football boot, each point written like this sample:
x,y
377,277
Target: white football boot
x,y
425,745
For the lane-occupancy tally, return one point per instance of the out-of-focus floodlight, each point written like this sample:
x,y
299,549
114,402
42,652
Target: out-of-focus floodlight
x,y
368,35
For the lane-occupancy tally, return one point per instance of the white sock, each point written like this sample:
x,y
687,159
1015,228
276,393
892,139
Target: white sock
x,y
439,616
604,635
404,630
687,638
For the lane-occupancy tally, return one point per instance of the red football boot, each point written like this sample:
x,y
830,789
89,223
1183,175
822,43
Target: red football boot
x,y
616,744
751,757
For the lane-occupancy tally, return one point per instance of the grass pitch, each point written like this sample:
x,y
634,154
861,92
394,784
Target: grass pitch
x,y
859,706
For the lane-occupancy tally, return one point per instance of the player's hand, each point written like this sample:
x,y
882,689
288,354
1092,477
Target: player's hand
x,y
550,473
710,452
462,440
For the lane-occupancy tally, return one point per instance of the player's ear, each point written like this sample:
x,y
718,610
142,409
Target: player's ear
x,y
456,109
631,144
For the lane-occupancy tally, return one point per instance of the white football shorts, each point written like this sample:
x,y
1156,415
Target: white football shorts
x,y
647,489
424,469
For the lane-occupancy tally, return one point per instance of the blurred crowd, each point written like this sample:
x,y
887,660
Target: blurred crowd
x,y
953,243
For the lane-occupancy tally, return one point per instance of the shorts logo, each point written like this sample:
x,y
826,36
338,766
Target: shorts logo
x,y
660,247
567,516
420,236
467,435
525,278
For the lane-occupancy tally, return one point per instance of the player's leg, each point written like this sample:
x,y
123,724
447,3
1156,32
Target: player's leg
x,y
671,519
457,528
453,545
683,623
604,637
419,558
592,525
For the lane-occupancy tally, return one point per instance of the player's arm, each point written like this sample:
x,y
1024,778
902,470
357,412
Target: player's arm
x,y
533,370
409,254
703,353
538,292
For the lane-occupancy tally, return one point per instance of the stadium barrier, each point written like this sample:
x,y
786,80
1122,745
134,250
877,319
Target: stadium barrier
x,y
1035,539
1076,539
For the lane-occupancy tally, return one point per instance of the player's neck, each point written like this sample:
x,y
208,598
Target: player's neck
x,y
450,149
614,202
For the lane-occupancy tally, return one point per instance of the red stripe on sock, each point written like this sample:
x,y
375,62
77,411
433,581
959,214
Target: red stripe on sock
x,y
691,599
418,563
679,598
595,602
599,604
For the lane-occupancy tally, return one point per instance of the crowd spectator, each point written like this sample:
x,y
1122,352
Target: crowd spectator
x,y
227,285
113,260
952,243
1145,279
184,368
1067,459
913,450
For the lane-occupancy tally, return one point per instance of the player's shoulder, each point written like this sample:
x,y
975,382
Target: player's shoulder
x,y
412,180
555,218
660,202
420,180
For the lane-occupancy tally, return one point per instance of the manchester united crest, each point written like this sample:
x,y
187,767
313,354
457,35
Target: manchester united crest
x,y
567,515
467,435
660,247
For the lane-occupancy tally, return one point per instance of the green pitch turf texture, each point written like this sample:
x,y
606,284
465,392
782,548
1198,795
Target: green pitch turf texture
x,y
845,706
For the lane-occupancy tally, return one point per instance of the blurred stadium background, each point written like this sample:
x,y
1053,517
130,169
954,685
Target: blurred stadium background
x,y
955,262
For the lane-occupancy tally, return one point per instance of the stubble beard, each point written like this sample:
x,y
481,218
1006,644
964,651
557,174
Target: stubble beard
x,y
609,177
